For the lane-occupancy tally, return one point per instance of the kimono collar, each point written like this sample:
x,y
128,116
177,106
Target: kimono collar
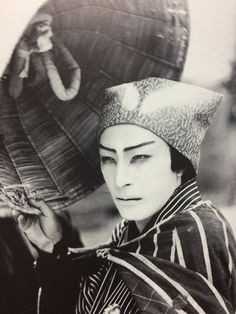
x,y
126,236
184,196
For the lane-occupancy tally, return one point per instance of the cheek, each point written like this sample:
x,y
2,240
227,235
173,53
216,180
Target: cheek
x,y
157,180
108,174
155,172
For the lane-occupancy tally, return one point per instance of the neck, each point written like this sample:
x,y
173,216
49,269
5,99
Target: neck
x,y
141,224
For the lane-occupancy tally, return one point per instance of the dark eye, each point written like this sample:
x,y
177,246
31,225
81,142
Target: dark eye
x,y
107,160
138,158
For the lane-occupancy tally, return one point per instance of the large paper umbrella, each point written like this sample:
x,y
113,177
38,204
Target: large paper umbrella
x,y
50,144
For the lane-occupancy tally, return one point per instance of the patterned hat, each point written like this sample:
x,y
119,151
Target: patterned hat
x,y
178,113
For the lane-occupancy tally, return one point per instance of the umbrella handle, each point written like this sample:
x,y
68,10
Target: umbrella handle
x,y
56,83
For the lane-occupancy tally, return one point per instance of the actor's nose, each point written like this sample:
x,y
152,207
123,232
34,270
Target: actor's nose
x,y
124,176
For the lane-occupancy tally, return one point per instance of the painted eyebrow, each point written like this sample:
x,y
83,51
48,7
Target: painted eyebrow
x,y
126,149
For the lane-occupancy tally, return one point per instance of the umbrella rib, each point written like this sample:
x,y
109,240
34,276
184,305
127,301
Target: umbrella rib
x,y
94,109
108,8
108,75
41,159
171,65
67,134
5,101
13,164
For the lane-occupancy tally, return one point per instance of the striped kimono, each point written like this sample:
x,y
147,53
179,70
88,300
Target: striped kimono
x,y
184,261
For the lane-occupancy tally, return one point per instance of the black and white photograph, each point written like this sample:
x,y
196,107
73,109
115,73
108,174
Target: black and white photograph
x,y
118,157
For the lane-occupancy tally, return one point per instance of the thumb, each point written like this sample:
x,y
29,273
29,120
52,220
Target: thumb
x,y
44,208
23,223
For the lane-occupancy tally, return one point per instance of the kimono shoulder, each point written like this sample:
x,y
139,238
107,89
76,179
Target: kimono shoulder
x,y
203,241
205,224
192,252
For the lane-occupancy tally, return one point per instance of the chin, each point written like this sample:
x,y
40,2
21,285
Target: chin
x,y
136,213
127,214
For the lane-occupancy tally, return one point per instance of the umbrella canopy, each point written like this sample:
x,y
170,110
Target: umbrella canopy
x,y
50,144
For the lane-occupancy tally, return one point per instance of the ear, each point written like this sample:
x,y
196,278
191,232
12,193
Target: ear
x,y
180,173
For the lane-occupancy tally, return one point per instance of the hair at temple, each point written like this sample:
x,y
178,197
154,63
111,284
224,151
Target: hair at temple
x,y
181,163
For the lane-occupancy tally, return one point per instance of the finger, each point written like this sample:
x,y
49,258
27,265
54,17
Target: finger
x,y
27,210
16,213
44,208
23,223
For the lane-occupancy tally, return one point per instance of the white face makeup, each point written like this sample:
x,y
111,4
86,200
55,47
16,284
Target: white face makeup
x,y
136,166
